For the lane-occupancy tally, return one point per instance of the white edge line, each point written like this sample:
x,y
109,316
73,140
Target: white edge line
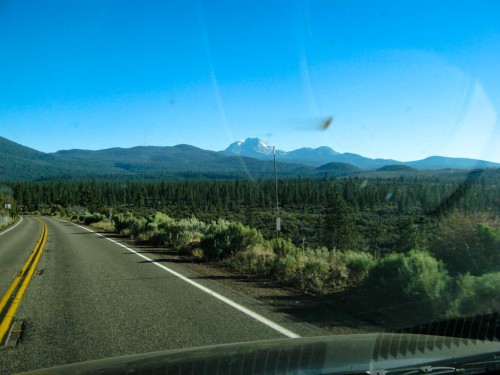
x,y
220,297
19,222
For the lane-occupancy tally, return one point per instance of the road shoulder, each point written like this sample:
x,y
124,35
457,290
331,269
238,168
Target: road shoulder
x,y
324,314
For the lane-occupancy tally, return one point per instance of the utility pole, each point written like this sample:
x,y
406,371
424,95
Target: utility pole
x,y
278,219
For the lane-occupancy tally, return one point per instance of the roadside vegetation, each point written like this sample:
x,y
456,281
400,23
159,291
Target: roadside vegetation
x,y
244,249
7,216
7,223
425,244
457,274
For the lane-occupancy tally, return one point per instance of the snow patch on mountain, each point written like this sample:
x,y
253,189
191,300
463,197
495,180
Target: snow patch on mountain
x,y
257,148
252,147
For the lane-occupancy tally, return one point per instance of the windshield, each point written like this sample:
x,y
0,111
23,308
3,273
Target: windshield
x,y
191,173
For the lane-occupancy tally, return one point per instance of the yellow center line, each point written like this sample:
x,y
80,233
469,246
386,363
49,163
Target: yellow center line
x,y
21,273
15,293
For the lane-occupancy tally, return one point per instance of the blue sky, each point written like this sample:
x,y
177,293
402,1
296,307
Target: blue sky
x,y
402,79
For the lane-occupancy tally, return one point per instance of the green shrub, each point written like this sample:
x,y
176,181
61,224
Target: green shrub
x,y
159,237
466,244
181,234
489,247
120,221
159,229
130,225
5,224
257,260
223,239
339,274
314,274
187,232
358,264
282,247
414,278
137,226
476,295
88,218
159,219
305,269
285,268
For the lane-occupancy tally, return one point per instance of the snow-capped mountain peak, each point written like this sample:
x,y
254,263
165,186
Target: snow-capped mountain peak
x,y
259,149
252,147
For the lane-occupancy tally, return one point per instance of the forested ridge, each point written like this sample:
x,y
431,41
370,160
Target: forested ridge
x,y
432,240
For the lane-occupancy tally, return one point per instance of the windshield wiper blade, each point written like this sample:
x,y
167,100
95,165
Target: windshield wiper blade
x,y
483,366
476,366
434,370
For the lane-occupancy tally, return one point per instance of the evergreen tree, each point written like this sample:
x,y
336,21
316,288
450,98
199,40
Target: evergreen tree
x,y
338,224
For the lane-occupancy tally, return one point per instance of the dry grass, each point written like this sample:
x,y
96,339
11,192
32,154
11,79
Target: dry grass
x,y
197,254
105,225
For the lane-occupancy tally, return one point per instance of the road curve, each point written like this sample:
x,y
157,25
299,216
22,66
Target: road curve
x,y
97,299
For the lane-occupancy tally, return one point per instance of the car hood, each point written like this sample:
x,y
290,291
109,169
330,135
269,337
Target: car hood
x,y
312,355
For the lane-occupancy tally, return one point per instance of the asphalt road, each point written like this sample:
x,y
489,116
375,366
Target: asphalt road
x,y
15,246
97,299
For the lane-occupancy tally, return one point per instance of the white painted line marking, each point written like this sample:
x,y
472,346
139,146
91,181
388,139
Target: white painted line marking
x,y
19,222
231,303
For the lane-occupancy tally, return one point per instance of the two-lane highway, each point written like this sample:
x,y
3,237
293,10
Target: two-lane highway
x,y
95,298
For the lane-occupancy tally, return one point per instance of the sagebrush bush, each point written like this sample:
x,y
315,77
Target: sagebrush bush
x,y
314,273
223,239
314,270
93,218
179,234
159,219
257,260
358,264
412,278
476,295
158,229
87,218
285,268
291,265
187,233
130,225
282,247
338,270
120,221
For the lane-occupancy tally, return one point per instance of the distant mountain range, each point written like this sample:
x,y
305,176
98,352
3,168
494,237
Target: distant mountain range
x,y
256,148
250,158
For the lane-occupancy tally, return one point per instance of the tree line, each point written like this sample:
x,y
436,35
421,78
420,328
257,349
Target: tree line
x,y
477,192
377,214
